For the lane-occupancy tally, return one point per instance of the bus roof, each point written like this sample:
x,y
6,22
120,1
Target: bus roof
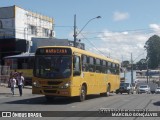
x,y
23,55
84,52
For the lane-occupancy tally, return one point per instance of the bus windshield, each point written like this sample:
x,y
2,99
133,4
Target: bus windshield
x,y
53,66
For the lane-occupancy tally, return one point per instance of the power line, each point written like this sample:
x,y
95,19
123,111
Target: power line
x,y
121,31
114,36
93,45
63,26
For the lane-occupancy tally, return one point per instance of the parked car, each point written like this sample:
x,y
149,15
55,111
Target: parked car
x,y
153,87
157,90
125,88
143,89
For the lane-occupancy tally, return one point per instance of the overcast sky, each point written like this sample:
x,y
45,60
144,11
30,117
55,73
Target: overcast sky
x,y
124,28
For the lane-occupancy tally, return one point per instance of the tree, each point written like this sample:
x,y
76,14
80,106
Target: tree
x,y
141,65
152,46
125,63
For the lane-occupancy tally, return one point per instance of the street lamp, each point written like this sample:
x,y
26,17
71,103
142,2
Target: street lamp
x,y
75,32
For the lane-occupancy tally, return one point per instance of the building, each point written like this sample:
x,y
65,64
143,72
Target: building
x,y
18,26
37,42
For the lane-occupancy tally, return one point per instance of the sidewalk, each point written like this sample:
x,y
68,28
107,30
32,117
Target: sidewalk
x,y
6,85
6,91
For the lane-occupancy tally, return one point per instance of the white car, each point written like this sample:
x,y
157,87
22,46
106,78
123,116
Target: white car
x,y
157,90
144,89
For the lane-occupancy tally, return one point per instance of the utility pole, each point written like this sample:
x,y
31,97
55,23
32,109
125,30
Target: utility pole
x,y
158,82
75,27
75,33
147,71
131,69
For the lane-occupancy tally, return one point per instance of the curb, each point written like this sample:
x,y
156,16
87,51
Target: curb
x,y
3,85
26,87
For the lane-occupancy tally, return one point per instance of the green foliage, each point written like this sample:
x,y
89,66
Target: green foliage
x,y
153,51
125,63
141,65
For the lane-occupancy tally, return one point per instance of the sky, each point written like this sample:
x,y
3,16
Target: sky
x,y
123,28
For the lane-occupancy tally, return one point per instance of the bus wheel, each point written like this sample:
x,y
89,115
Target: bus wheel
x,y
106,94
83,93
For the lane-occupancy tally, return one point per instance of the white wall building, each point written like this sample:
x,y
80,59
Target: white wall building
x,y
24,24
16,22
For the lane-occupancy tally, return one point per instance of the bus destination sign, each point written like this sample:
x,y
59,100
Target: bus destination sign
x,y
54,51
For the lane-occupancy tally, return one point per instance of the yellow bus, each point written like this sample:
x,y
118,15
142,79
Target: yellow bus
x,y
21,63
69,71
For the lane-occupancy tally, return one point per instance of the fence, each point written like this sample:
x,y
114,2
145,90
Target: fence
x,y
4,74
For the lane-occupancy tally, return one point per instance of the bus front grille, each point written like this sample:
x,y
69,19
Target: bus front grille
x,y
50,91
50,87
54,82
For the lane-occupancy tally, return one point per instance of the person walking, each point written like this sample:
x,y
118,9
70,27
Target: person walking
x,y
20,79
12,84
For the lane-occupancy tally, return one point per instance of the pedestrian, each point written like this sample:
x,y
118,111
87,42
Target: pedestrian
x,y
20,79
12,84
10,77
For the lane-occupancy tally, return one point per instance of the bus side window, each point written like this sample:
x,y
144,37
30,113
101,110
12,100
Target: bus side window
x,y
76,66
117,69
109,68
91,64
98,66
84,63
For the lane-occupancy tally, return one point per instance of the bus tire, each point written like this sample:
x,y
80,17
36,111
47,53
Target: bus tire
x,y
106,94
83,93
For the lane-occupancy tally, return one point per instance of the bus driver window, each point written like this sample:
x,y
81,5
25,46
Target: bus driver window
x,y
76,66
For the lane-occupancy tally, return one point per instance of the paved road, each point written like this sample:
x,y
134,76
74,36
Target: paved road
x,y
29,102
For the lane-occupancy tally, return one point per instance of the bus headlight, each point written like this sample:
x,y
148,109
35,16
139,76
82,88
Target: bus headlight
x,y
65,86
35,84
